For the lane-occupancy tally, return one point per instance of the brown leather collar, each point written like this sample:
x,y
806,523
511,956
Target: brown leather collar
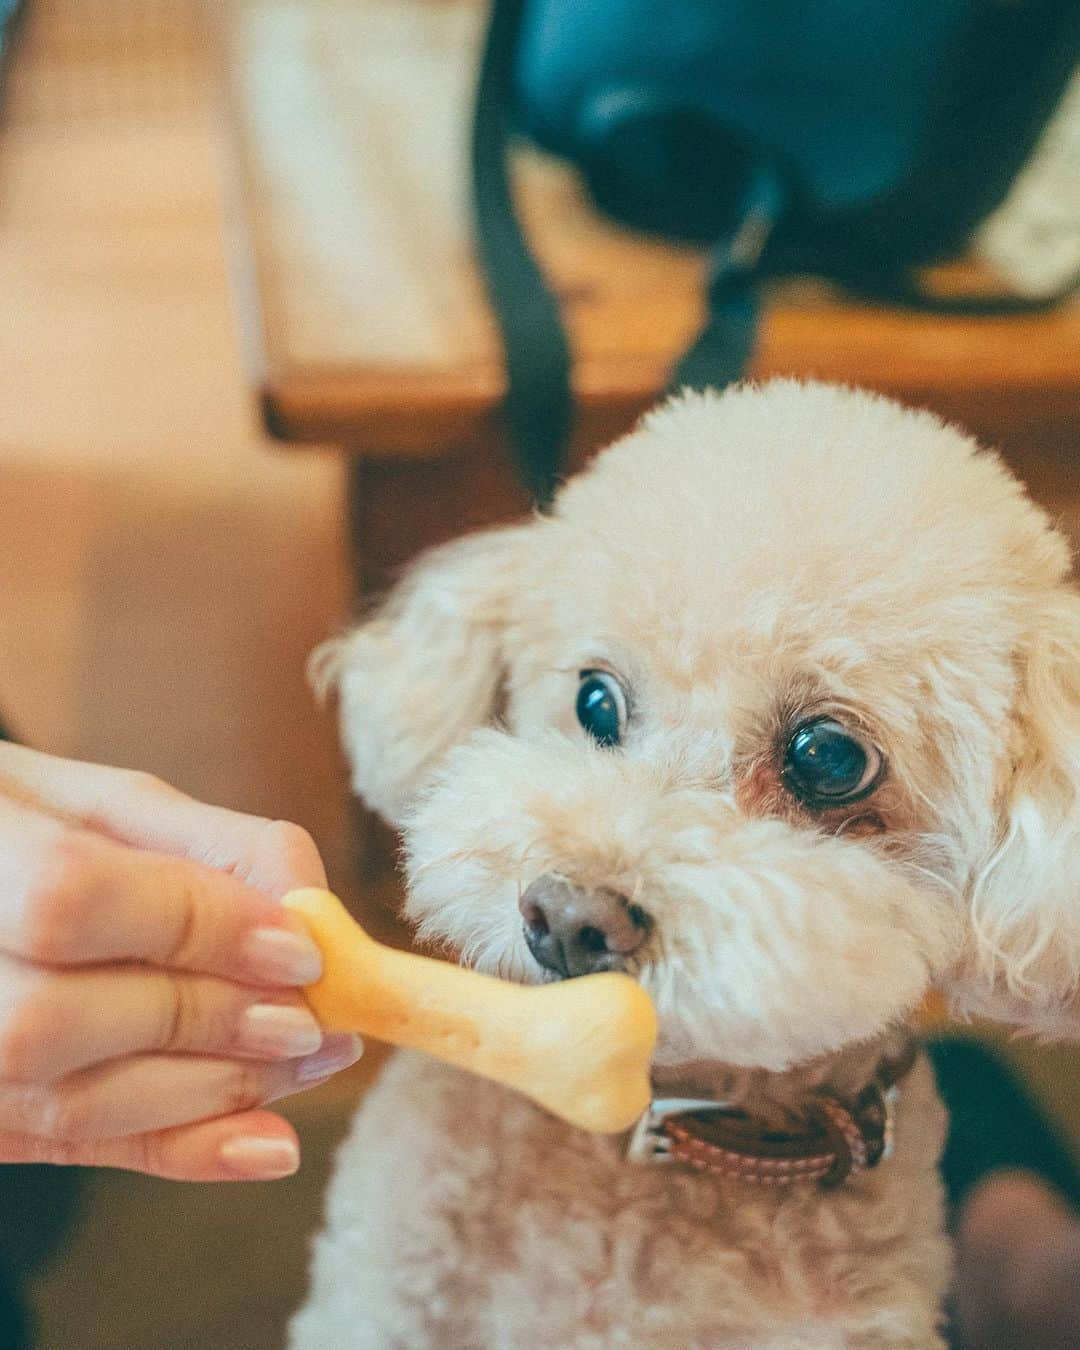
x,y
837,1137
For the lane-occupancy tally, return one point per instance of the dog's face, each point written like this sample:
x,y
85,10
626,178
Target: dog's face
x,y
780,712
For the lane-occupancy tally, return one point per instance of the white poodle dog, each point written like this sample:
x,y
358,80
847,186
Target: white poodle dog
x,y
779,711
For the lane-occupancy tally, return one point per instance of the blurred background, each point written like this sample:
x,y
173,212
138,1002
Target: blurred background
x,y
166,568
165,571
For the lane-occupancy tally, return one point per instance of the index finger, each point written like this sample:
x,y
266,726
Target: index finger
x,y
70,897
136,808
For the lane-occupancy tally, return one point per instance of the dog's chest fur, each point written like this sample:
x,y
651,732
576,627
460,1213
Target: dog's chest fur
x,y
461,1216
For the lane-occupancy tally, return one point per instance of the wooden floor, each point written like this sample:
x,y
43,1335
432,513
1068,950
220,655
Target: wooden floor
x,y
164,572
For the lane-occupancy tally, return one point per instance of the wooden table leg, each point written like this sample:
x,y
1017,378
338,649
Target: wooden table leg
x,y
397,508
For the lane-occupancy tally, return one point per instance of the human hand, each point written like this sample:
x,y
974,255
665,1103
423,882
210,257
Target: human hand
x,y
148,976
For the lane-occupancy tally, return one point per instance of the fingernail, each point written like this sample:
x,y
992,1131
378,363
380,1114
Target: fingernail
x,y
282,1032
279,956
337,1053
260,1159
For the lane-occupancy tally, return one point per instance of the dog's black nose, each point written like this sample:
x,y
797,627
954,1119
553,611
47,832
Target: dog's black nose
x,y
576,932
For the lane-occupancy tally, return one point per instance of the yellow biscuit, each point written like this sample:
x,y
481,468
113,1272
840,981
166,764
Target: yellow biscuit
x,y
580,1048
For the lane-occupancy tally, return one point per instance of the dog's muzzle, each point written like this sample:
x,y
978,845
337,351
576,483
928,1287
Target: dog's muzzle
x,y
572,931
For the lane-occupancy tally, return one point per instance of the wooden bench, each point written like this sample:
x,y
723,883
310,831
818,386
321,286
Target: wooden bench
x,y
366,320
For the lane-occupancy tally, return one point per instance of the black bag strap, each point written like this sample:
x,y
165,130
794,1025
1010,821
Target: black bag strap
x,y
539,401
539,398
722,351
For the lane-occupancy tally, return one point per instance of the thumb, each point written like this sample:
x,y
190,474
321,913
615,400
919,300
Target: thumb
x,y
248,1146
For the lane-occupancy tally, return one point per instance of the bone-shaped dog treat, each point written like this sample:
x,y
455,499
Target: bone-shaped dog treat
x,y
580,1048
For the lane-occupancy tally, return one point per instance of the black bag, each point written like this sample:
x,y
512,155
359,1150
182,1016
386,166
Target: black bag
x,y
857,140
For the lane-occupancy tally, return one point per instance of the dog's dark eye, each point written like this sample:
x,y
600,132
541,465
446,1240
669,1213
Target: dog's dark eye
x,y
601,707
826,764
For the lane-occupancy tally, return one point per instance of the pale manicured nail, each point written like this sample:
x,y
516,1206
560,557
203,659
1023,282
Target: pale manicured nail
x,y
278,956
280,1032
260,1159
337,1053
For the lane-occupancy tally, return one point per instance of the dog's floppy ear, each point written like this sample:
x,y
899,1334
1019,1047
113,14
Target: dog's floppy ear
x,y
1026,899
424,671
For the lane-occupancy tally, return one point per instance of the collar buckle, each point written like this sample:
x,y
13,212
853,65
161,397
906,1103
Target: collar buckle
x,y
649,1143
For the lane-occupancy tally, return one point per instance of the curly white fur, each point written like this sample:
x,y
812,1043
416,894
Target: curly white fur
x,y
742,563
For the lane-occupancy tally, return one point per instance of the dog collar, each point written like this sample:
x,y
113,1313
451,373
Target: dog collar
x,y
836,1137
